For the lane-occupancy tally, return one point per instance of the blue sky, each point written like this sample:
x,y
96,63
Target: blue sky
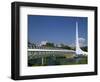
x,y
56,29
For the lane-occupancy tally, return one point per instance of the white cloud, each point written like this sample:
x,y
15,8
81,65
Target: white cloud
x,y
43,42
81,39
81,42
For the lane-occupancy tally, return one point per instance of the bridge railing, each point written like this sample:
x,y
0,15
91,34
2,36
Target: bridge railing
x,y
36,53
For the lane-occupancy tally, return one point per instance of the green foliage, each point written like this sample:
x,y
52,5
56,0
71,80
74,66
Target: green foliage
x,y
58,60
82,61
49,44
84,48
31,45
65,47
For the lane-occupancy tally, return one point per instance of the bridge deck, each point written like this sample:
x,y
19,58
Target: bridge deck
x,y
54,50
36,53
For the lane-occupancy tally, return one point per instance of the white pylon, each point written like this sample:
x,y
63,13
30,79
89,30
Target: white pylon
x,y
78,49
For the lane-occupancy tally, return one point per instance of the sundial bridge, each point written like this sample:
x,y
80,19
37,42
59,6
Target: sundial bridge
x,y
41,52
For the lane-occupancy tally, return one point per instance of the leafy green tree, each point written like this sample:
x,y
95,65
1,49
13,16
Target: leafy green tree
x,y
49,44
65,46
85,48
31,45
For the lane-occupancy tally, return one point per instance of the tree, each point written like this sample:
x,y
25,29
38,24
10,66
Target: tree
x,y
31,45
49,44
65,47
85,48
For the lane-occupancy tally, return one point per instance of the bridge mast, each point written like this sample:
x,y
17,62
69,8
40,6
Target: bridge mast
x,y
78,49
